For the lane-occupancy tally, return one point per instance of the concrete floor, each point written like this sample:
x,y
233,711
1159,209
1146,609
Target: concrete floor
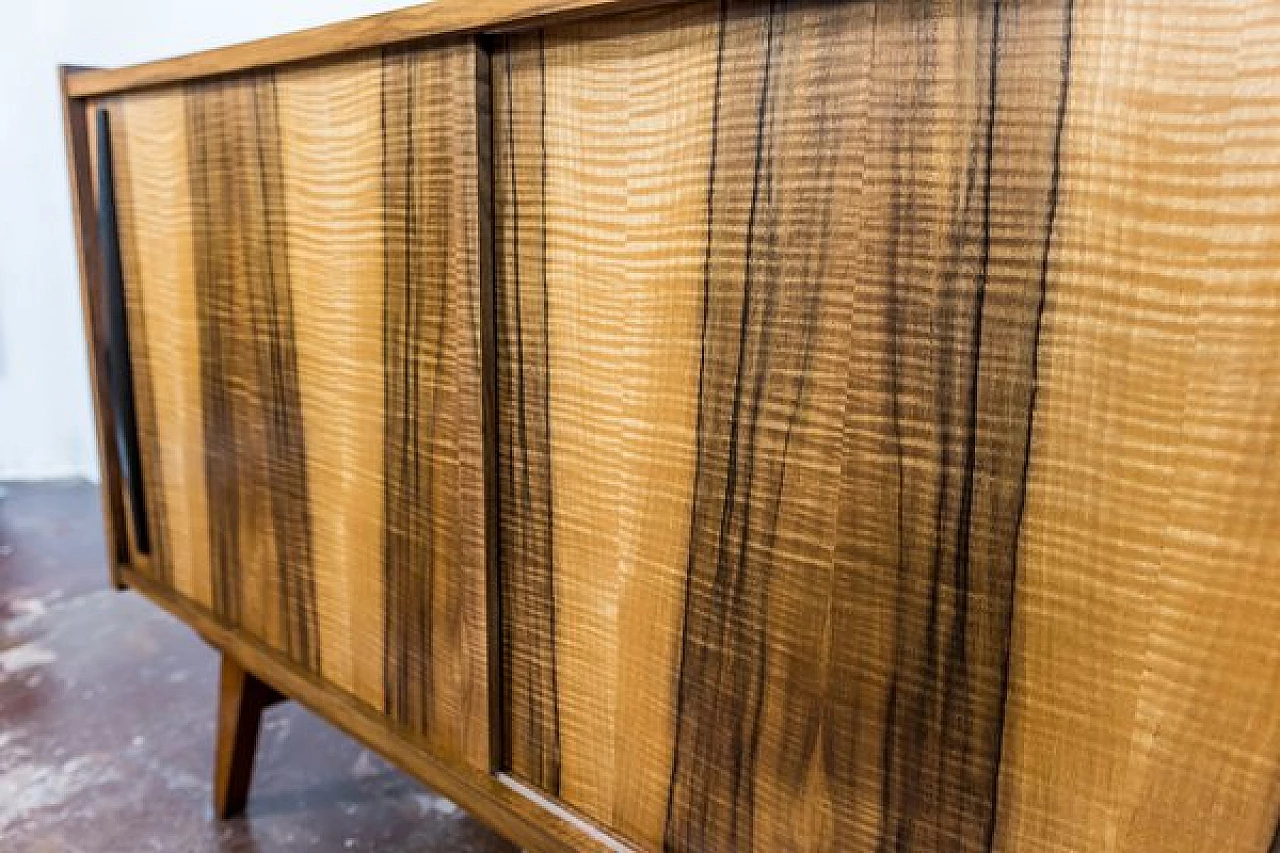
x,y
106,722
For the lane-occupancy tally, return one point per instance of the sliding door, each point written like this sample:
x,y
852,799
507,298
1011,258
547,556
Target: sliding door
x,y
885,407
300,253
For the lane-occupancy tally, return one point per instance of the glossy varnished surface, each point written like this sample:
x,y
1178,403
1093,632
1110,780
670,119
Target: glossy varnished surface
x,y
885,396
300,254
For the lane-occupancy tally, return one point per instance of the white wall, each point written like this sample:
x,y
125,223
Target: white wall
x,y
46,420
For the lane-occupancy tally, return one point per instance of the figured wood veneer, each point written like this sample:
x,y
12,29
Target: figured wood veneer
x,y
299,250
757,425
866,435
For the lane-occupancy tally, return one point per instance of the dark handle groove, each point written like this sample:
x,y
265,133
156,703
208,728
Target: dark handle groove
x,y
119,370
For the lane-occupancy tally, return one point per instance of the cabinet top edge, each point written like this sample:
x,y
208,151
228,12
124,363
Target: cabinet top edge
x,y
439,18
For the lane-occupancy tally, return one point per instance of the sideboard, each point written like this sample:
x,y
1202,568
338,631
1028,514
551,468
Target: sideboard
x,y
722,425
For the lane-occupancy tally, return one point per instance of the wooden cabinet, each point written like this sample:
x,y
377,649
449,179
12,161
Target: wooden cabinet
x,y
721,425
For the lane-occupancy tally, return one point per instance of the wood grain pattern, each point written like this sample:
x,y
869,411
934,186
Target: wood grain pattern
x,y
256,471
436,628
152,546
795,301
164,259
490,797
330,150
301,267
1142,714
880,398
614,434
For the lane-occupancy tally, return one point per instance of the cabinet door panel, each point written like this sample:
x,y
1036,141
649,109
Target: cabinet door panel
x,y
863,480
301,263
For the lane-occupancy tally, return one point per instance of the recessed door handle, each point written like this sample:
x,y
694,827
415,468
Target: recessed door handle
x,y
119,369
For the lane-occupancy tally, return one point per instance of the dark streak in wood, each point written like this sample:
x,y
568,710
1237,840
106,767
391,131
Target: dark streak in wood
x,y
1046,260
722,27
498,719
290,504
948,689
408,495
255,448
529,659
524,454
723,658
205,133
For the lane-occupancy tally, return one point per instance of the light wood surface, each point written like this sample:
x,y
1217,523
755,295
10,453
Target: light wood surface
x,y
300,252
887,399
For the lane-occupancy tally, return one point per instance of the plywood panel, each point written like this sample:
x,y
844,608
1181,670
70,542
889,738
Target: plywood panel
x,y
884,417
303,266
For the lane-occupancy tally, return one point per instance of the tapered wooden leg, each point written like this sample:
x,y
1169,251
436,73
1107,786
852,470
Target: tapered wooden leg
x,y
241,700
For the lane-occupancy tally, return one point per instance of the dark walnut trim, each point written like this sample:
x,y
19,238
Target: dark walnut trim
x,y
80,173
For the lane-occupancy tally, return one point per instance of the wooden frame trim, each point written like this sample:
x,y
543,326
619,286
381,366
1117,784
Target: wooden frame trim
x,y
80,172
505,807
402,25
